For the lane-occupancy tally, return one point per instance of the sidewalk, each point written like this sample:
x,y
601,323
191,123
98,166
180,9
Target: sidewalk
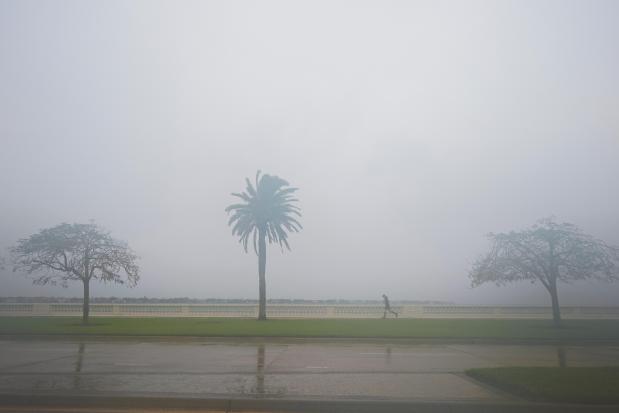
x,y
255,376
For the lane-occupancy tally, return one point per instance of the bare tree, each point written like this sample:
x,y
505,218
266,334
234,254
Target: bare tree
x,y
547,253
76,252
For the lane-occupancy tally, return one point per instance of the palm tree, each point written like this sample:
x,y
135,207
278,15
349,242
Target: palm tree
x,y
266,213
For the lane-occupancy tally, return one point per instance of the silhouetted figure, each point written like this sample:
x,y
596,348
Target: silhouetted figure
x,y
388,307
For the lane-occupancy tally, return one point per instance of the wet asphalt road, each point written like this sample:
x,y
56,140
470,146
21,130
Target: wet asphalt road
x,y
273,369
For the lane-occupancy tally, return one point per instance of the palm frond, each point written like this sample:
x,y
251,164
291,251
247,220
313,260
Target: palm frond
x,y
243,196
250,189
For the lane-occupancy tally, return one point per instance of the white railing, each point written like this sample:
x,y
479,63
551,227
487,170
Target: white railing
x,y
304,311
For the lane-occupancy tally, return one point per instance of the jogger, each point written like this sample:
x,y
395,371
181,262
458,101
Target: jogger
x,y
388,307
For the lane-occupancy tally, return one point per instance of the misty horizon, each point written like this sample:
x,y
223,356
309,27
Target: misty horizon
x,y
411,130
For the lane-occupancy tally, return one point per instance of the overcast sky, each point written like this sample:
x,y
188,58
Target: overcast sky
x,y
412,129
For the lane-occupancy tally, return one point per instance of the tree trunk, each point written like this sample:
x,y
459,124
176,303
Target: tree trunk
x,y
86,307
262,287
556,310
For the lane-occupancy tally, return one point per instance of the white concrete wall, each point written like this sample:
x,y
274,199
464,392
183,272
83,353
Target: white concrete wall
x,y
303,311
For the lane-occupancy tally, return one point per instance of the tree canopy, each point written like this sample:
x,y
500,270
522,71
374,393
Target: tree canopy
x,y
267,207
547,252
70,252
76,252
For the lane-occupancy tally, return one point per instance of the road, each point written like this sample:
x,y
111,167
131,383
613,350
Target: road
x,y
272,369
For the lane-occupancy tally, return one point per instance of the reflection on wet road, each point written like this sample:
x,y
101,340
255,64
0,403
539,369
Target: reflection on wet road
x,y
273,369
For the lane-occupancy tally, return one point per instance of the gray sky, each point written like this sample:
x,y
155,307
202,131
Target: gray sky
x,y
411,128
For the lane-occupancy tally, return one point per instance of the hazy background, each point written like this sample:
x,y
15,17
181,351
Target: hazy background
x,y
411,128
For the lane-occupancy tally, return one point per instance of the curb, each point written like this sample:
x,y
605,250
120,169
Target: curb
x,y
42,402
300,339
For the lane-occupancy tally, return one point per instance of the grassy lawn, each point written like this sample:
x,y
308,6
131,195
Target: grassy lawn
x,y
570,384
573,330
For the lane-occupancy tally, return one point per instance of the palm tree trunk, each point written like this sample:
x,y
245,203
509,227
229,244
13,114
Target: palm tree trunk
x,y
262,287
86,306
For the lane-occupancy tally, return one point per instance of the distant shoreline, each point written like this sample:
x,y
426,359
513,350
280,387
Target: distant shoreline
x,y
185,300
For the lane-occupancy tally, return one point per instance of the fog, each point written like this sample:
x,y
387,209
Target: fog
x,y
411,128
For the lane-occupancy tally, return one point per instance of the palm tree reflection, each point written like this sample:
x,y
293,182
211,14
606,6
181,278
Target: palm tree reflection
x,y
260,369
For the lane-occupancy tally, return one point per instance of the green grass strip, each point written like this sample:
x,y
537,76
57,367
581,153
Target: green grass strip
x,y
573,330
591,385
